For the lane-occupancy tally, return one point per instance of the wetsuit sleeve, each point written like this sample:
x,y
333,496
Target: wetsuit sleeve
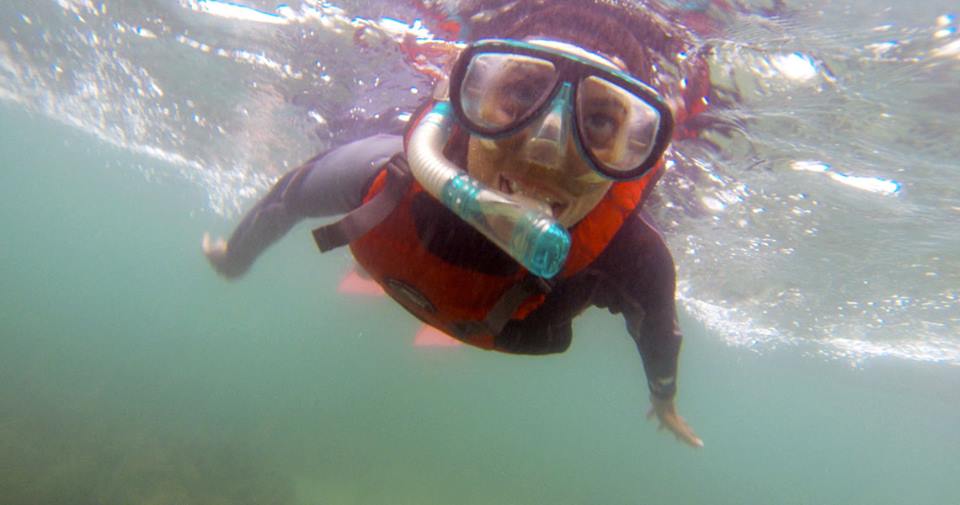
x,y
329,184
641,284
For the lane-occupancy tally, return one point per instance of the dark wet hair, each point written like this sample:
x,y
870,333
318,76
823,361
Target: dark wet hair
x,y
653,47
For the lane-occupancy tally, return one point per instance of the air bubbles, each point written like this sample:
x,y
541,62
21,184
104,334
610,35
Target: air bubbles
x,y
880,49
314,115
145,33
795,66
874,185
810,166
713,204
236,11
284,10
155,89
950,50
945,32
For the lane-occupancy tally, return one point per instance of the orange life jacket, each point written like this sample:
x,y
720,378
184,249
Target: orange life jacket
x,y
458,300
466,304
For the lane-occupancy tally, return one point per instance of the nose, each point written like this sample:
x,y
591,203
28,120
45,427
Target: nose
x,y
546,145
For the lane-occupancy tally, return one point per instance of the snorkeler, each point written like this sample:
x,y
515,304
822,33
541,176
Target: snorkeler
x,y
512,203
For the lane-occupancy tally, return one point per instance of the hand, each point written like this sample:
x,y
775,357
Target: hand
x,y
216,253
666,412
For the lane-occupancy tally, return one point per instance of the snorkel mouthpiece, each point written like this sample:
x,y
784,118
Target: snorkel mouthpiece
x,y
527,233
535,239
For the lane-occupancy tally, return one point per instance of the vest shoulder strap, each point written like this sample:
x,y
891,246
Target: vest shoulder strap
x,y
512,299
364,218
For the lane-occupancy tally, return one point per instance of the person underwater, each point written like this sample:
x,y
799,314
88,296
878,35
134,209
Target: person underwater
x,y
512,202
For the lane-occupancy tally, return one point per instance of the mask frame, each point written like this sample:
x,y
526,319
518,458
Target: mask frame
x,y
570,72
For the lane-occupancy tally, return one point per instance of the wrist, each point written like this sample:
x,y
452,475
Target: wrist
x,y
662,388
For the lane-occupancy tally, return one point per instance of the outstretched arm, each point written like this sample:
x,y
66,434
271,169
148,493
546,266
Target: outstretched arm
x,y
329,184
648,287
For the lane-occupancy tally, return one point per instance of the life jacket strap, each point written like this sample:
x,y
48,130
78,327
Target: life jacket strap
x,y
503,310
364,218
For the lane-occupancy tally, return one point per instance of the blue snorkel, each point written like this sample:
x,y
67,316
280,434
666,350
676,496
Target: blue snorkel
x,y
528,233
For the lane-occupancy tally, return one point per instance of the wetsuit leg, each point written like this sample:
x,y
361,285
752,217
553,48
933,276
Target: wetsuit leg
x,y
329,184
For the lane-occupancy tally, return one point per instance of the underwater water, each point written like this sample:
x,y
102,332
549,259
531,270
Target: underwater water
x,y
817,251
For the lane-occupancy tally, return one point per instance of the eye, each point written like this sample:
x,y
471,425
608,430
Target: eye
x,y
519,96
524,93
499,89
601,129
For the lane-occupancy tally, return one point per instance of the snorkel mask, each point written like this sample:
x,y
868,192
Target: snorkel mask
x,y
498,88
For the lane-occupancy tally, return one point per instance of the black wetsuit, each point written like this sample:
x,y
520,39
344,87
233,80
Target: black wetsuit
x,y
634,276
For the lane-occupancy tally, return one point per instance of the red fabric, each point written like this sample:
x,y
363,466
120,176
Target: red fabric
x,y
591,235
392,253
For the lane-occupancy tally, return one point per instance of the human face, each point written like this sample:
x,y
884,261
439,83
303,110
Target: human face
x,y
521,165
528,140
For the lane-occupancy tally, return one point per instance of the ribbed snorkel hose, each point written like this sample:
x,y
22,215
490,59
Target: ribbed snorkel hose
x,y
530,236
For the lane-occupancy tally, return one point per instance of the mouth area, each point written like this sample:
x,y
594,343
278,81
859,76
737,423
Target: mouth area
x,y
512,186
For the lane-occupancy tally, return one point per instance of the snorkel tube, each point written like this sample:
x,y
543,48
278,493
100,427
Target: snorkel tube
x,y
525,231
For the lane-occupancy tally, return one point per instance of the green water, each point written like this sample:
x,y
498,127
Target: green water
x,y
131,374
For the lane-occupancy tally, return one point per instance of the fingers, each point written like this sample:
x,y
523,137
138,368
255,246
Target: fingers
x,y
667,415
690,439
213,247
683,432
216,252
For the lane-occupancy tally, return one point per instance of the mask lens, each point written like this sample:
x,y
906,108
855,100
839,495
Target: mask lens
x,y
618,128
501,90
